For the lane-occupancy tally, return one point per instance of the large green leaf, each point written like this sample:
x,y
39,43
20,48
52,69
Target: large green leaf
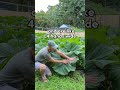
x,y
71,50
114,75
63,69
97,57
98,76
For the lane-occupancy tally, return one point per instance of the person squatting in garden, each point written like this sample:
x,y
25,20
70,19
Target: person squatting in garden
x,y
44,56
20,68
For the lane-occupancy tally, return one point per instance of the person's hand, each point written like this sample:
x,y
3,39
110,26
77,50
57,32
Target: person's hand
x,y
71,59
65,61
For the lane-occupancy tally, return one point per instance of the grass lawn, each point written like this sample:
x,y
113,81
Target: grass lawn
x,y
78,29
56,82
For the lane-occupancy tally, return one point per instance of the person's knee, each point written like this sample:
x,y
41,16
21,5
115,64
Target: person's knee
x,y
42,67
49,74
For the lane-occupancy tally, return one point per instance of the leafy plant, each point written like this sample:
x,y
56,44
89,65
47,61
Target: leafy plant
x,y
72,50
13,37
103,58
62,68
73,47
97,58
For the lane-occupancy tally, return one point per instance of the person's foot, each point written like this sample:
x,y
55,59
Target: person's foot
x,y
44,79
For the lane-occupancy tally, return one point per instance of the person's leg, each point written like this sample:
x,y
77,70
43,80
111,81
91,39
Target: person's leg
x,y
42,68
42,71
48,72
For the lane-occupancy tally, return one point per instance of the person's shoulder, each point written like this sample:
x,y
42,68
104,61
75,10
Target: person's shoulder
x,y
42,50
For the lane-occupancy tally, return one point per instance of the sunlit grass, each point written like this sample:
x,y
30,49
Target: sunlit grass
x,y
56,82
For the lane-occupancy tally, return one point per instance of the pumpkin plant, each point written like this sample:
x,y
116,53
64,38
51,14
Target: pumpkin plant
x,y
71,50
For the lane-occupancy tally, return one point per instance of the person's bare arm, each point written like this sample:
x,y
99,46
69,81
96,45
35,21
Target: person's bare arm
x,y
58,61
63,55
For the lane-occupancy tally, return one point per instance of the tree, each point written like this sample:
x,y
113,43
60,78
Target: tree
x,y
66,12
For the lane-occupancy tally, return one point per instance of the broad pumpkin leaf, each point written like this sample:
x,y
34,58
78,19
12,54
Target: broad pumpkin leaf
x,y
97,75
102,63
63,69
71,50
97,57
114,75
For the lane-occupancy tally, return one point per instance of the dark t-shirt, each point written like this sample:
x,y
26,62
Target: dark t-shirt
x,y
19,68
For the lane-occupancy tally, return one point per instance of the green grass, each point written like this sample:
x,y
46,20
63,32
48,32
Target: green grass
x,y
77,29
56,82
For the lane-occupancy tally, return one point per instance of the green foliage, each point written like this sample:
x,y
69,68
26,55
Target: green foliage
x,y
78,29
13,26
72,50
105,6
66,12
100,10
73,47
103,58
13,38
97,57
